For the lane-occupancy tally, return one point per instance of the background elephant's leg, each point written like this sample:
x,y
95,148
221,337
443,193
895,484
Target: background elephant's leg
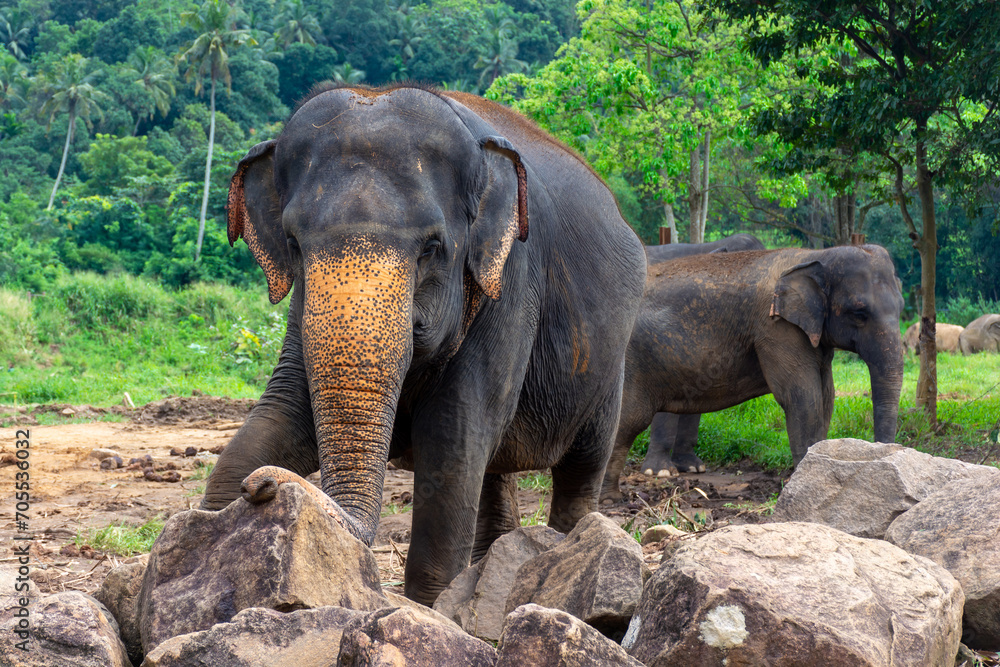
x,y
577,478
498,512
687,437
278,431
662,438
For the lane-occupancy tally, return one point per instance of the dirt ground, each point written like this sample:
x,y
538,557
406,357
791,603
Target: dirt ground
x,y
72,495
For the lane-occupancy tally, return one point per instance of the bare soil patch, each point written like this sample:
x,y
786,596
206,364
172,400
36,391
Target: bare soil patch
x,y
72,495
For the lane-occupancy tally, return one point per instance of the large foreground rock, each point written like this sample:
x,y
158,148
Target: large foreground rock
x,y
68,628
407,636
476,598
796,594
304,638
285,554
595,574
541,637
860,487
959,529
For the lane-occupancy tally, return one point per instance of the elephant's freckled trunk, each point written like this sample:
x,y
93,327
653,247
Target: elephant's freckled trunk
x,y
356,332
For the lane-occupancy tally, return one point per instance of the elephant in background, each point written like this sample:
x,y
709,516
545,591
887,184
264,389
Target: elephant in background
x,y
429,321
716,330
946,337
982,335
672,438
732,243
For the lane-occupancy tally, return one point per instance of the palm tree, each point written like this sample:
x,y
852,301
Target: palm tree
x,y
217,25
15,30
154,73
499,57
13,81
297,25
346,73
409,33
69,88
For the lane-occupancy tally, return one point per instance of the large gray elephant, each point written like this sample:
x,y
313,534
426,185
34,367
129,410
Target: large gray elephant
x,y
717,330
982,335
430,321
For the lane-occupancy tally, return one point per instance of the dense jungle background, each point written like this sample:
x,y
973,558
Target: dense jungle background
x,y
121,122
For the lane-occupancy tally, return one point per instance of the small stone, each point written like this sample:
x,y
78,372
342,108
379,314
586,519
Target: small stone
x,y
112,463
68,412
100,454
176,451
659,533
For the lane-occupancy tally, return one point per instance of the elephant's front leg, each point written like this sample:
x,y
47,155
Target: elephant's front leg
x,y
796,381
446,492
278,432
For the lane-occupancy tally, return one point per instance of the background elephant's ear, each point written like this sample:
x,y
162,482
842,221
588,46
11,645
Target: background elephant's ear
x,y
502,215
255,215
800,298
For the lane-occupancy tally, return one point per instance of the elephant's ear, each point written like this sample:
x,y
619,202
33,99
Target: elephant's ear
x,y
800,298
502,215
255,215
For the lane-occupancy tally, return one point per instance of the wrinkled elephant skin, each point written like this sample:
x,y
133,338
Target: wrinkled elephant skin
x,y
464,287
716,330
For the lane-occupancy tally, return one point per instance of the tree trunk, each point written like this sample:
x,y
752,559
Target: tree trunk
x,y
704,187
208,176
843,212
62,165
927,247
671,223
698,192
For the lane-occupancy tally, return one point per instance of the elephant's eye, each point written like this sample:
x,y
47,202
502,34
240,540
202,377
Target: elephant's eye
x,y
431,248
859,315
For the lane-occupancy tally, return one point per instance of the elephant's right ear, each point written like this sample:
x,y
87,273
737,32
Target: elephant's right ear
x,y
800,298
255,215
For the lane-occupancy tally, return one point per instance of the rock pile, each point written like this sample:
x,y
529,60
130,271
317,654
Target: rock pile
x,y
282,584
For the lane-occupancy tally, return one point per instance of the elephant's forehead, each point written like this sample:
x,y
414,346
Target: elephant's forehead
x,y
395,125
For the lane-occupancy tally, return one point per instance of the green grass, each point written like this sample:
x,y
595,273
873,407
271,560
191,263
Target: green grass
x,y
535,480
92,338
968,407
122,538
537,518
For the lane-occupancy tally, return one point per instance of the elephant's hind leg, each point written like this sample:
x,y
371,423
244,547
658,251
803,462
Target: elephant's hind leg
x,y
577,478
498,512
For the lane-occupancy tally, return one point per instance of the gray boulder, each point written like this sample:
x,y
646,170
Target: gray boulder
x,y
476,598
959,529
860,487
407,636
796,594
286,554
595,574
68,628
119,592
304,638
541,637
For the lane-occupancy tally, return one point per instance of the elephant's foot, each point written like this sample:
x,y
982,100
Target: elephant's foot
x,y
688,462
262,484
657,464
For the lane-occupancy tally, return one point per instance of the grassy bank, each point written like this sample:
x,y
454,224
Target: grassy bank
x,y
92,338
